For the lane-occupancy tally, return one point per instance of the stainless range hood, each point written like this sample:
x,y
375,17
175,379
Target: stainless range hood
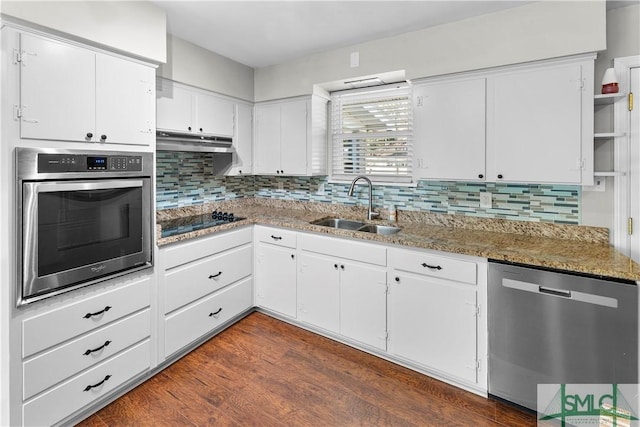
x,y
184,141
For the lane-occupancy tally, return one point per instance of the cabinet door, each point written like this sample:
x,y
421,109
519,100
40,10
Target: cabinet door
x,y
319,292
125,101
534,131
57,90
433,322
293,143
243,141
363,304
449,130
214,115
175,109
267,139
276,279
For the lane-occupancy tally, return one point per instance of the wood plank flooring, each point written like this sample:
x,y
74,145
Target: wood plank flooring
x,y
264,372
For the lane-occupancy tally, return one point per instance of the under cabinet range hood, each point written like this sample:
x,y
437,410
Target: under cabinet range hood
x,y
184,141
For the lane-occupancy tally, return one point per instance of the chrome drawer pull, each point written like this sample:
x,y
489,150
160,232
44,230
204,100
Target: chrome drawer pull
x,y
97,313
433,267
213,276
88,352
89,387
216,313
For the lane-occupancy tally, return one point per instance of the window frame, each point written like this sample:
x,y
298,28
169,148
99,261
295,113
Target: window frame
x,y
373,93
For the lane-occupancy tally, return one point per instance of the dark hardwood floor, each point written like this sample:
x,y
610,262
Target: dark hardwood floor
x,y
264,372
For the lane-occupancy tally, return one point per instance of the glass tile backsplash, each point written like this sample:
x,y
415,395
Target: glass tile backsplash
x,y
185,179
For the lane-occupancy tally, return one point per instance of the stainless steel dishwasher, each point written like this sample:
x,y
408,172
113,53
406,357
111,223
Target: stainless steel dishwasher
x,y
548,327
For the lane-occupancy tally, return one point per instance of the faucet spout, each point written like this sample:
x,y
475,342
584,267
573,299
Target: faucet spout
x,y
370,213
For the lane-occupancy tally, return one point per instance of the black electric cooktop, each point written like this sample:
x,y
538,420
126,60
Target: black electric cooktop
x,y
188,224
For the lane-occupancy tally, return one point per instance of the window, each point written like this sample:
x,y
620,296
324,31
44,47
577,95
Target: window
x,y
372,133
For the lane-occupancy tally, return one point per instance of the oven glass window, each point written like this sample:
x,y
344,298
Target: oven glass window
x,y
78,228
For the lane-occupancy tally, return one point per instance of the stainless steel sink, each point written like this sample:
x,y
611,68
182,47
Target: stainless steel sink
x,y
348,224
345,224
385,230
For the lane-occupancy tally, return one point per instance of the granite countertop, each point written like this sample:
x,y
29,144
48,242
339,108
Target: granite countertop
x,y
564,247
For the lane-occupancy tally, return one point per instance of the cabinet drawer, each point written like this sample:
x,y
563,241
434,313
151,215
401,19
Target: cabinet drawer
x,y
434,265
61,324
62,362
276,236
189,282
345,249
72,395
186,252
190,323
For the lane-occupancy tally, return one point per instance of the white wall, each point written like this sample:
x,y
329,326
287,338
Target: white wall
x,y
196,66
137,28
623,39
530,32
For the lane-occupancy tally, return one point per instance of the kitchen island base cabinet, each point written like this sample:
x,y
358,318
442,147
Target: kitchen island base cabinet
x,y
206,315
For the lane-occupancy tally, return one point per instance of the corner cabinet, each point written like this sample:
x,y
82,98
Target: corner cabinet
x,y
290,137
71,93
206,285
527,124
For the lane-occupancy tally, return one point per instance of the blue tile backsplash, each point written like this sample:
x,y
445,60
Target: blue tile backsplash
x,y
185,179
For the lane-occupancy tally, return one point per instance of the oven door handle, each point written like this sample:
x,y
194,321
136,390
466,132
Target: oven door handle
x,y
49,187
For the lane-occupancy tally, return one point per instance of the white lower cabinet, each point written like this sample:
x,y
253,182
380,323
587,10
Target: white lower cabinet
x,y
80,351
70,396
196,320
205,284
275,270
434,314
342,288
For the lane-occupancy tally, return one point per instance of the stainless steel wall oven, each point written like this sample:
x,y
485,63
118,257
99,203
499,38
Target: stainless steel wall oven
x,y
83,217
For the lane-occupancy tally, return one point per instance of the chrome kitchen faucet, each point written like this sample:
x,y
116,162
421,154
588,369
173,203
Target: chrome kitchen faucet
x,y
370,214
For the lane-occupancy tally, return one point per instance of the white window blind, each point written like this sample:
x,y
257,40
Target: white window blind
x,y
372,134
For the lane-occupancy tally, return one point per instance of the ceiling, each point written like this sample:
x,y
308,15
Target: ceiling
x,y
263,33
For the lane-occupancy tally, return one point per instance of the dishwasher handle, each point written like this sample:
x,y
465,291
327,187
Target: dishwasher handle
x,y
557,292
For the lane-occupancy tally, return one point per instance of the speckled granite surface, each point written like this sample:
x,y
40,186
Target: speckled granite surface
x,y
571,248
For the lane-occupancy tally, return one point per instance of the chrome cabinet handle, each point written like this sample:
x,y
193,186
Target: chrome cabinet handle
x,y
97,313
89,387
213,276
432,267
88,352
215,313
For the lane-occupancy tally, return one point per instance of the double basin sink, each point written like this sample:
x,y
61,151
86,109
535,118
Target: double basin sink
x,y
349,224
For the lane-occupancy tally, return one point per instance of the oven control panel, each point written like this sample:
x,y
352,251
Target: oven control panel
x,y
57,163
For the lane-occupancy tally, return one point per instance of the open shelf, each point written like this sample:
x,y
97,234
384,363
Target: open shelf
x,y
609,174
607,135
608,98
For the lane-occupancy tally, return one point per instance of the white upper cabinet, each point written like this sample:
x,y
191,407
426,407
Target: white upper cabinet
x,y
535,125
185,109
290,137
69,93
174,106
528,124
449,130
243,141
125,107
214,115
